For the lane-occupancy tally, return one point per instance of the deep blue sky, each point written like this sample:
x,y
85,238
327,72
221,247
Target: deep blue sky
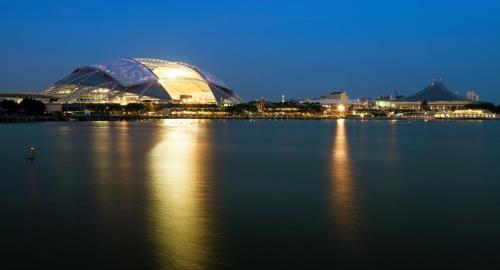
x,y
300,48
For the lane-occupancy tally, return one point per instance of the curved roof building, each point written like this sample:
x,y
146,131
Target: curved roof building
x,y
125,80
436,91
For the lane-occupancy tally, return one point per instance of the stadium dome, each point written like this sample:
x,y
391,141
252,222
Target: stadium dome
x,y
125,80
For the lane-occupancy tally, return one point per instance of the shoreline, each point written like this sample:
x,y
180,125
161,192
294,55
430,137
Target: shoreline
x,y
31,119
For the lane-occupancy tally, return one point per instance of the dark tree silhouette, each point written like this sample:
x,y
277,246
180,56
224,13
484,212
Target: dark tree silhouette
x,y
134,107
32,107
482,105
241,108
9,106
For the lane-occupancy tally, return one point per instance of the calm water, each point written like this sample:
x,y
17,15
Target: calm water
x,y
187,194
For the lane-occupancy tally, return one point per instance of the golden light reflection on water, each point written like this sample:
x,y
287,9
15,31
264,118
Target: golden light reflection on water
x,y
343,188
101,147
123,159
392,148
180,181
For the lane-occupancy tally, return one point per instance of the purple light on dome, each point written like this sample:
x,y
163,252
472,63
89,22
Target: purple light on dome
x,y
126,71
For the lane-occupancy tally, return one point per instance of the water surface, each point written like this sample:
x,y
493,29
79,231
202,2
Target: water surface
x,y
201,194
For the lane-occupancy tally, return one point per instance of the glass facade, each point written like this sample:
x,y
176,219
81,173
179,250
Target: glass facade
x,y
121,80
180,81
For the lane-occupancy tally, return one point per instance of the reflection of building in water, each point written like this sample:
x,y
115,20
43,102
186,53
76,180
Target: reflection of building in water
x,y
343,190
102,160
180,174
392,148
123,159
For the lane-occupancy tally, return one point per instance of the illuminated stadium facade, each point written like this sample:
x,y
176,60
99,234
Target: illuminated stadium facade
x,y
127,80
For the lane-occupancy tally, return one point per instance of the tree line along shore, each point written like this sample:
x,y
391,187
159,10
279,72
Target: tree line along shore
x,y
29,110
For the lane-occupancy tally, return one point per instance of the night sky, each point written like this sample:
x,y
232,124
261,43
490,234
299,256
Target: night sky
x,y
263,48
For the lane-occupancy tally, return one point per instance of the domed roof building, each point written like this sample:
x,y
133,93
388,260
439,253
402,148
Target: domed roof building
x,y
125,80
436,91
436,96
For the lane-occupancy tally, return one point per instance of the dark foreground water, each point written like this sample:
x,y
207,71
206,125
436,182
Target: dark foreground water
x,y
188,194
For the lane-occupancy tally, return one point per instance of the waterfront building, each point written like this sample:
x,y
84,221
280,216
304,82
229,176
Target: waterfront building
x,y
340,95
126,80
262,104
331,99
338,103
51,104
394,96
18,97
469,113
471,95
434,97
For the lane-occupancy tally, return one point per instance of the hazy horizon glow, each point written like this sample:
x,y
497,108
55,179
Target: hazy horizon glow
x,y
264,48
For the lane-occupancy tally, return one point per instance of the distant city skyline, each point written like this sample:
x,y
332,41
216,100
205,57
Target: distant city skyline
x,y
300,49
